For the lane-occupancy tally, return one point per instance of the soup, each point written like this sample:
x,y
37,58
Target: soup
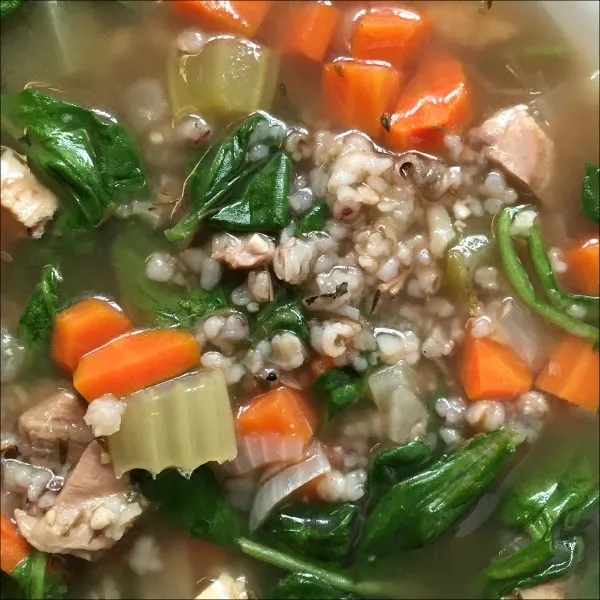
x,y
299,300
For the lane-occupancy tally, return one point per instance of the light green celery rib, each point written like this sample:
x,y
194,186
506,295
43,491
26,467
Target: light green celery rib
x,y
182,423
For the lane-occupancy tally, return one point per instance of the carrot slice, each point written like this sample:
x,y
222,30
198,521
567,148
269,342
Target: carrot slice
x,y
573,373
135,361
435,101
14,548
358,93
583,261
306,30
83,327
238,16
490,370
319,365
391,35
283,411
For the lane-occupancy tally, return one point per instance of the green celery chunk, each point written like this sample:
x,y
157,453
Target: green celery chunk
x,y
184,423
461,261
230,77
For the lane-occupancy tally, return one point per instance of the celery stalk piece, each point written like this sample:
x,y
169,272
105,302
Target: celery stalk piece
x,y
462,260
183,423
229,77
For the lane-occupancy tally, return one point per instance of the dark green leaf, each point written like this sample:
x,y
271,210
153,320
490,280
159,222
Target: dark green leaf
x,y
339,388
575,516
151,302
90,158
280,315
8,6
392,465
36,581
315,530
263,203
590,192
417,510
522,561
197,504
35,324
220,170
567,553
299,586
314,219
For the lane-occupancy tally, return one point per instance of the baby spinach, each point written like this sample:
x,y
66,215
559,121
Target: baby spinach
x,y
35,324
197,504
315,530
8,6
339,388
151,302
36,581
263,203
280,315
301,586
392,465
417,510
314,219
590,192
89,157
222,168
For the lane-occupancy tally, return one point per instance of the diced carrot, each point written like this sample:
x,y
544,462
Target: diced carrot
x,y
283,411
135,361
391,35
83,327
320,364
435,101
14,547
573,373
490,370
306,29
583,262
357,94
237,16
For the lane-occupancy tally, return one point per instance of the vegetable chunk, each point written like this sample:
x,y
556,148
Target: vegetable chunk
x,y
83,327
357,93
584,267
135,361
15,547
573,373
491,370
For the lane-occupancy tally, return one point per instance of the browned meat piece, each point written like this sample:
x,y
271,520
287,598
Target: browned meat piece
x,y
514,140
54,431
92,512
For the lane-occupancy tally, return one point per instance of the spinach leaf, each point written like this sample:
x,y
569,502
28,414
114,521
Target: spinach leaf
x,y
340,388
301,586
281,315
314,219
316,530
36,581
90,157
220,170
575,516
417,510
151,302
8,6
35,324
392,465
567,553
263,203
522,561
590,192
197,504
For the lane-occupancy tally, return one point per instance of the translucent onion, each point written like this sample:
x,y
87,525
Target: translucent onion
x,y
287,481
255,451
183,423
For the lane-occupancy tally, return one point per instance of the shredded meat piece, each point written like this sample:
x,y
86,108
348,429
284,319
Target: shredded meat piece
x,y
514,140
244,252
54,431
91,512
32,204
553,590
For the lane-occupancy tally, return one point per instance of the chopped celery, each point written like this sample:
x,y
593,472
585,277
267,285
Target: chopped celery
x,y
183,423
462,260
384,382
229,77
